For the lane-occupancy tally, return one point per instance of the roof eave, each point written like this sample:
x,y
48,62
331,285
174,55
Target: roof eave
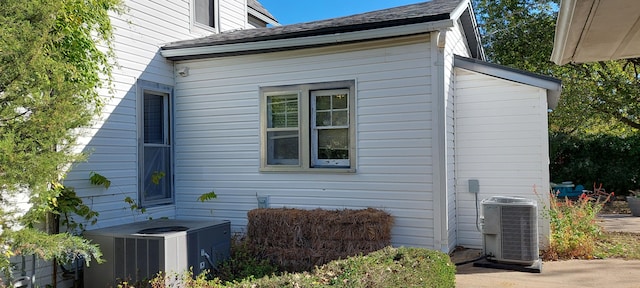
x,y
552,85
263,17
563,47
255,47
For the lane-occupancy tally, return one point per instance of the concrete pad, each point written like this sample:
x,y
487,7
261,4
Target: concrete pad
x,y
612,273
619,223
572,273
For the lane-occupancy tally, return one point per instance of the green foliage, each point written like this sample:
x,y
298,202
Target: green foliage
x,y
245,262
596,159
64,247
50,66
133,205
54,55
207,196
596,97
574,230
156,176
99,180
389,267
67,203
619,245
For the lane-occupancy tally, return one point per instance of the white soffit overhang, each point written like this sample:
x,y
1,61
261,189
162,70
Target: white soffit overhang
x,y
596,30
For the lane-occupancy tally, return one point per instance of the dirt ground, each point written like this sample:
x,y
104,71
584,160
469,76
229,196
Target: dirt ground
x,y
617,206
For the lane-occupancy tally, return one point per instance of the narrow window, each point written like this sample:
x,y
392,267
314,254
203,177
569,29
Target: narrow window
x,y
283,138
330,128
204,14
156,148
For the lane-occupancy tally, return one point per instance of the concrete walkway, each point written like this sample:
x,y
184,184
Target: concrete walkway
x,y
573,273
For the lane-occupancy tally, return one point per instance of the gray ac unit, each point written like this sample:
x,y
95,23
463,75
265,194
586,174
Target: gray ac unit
x,y
138,251
510,229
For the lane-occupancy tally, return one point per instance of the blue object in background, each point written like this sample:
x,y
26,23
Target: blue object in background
x,y
567,189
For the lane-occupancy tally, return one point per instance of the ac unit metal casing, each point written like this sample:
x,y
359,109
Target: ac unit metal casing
x,y
138,251
510,229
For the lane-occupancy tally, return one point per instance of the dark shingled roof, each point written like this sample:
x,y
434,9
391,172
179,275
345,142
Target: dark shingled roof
x,y
258,7
410,14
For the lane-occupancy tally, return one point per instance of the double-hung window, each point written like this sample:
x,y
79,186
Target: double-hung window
x,y
308,127
155,147
204,15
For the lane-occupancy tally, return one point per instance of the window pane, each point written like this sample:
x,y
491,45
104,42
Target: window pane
x,y
154,119
282,111
282,147
323,102
204,12
323,119
333,144
339,101
156,173
340,118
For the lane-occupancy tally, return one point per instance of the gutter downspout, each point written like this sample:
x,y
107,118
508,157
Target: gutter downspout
x,y
438,143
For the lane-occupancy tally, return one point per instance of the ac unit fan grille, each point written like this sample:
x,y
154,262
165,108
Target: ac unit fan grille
x,y
518,234
137,259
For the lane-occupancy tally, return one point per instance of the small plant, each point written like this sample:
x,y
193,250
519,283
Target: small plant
x,y
574,231
133,205
245,261
207,196
67,203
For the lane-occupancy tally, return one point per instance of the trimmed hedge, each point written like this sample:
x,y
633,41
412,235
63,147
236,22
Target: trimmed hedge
x,y
611,160
389,267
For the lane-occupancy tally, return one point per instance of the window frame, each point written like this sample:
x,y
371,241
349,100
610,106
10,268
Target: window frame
x,y
307,143
197,27
166,91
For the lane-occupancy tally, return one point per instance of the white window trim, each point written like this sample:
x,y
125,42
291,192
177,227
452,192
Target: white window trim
x,y
160,89
305,128
201,28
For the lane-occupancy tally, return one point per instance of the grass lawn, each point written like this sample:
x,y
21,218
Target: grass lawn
x,y
618,244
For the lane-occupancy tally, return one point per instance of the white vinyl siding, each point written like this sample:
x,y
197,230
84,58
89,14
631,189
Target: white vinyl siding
x,y
501,140
218,135
112,142
455,45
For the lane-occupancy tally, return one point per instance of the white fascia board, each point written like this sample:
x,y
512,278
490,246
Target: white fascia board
x,y
456,13
310,41
262,17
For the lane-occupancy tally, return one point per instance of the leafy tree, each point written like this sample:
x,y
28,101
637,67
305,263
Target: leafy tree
x,y
54,58
596,97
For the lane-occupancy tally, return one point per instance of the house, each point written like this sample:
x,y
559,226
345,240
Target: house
x,y
392,109
590,31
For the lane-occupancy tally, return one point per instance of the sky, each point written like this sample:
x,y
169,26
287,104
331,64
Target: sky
x,y
298,11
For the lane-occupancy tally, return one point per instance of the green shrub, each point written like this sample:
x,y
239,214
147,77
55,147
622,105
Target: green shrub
x,y
595,159
574,231
245,261
389,267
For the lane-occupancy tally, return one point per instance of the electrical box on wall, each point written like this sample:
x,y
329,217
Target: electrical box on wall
x,y
474,186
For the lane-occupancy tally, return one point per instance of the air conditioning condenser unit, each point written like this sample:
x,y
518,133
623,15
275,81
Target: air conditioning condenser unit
x,y
510,230
138,251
